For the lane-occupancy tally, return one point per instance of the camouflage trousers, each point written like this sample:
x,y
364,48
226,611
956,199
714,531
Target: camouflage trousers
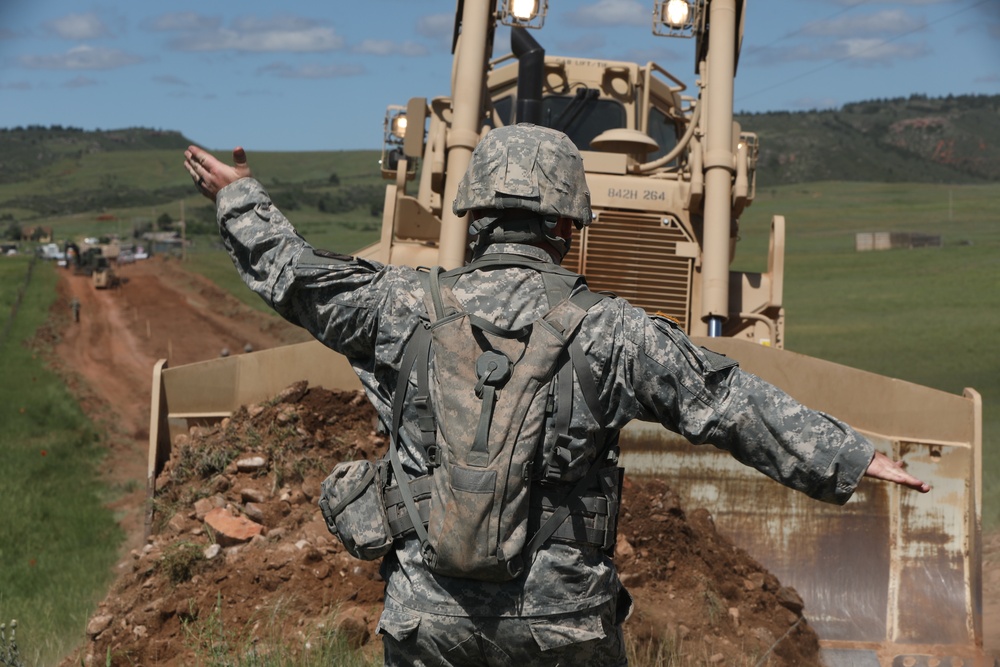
x,y
590,638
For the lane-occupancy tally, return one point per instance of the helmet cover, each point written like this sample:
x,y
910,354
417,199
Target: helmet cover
x,y
525,167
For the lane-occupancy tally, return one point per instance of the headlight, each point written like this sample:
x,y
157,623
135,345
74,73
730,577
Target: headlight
x,y
524,10
399,126
676,13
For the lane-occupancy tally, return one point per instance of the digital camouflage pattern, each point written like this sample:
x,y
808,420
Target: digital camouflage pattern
x,y
646,368
478,522
590,639
353,509
526,167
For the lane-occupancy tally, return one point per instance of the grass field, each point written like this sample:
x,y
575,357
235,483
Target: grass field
x,y
928,315
57,538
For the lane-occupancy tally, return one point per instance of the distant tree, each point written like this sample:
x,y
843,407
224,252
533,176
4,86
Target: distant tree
x,y
334,179
12,232
164,222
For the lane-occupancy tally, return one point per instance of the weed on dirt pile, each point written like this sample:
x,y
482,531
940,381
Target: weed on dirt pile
x,y
291,592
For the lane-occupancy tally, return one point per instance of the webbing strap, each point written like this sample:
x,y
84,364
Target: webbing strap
x,y
588,523
552,524
402,479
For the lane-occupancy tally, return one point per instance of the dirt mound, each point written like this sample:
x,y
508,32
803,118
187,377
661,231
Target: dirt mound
x,y
696,594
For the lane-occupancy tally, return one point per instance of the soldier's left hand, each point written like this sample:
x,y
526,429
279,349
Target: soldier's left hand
x,y
884,468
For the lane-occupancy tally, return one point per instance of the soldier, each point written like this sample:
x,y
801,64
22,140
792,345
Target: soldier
x,y
526,192
75,306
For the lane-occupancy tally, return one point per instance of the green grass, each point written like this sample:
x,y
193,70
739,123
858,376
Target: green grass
x,y
927,315
57,539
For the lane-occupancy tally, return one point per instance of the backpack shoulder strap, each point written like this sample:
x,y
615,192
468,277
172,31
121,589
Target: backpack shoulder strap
x,y
417,347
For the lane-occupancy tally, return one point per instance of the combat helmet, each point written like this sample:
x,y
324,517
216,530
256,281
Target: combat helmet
x,y
521,179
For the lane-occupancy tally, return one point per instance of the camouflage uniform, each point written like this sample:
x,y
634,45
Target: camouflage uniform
x,y
568,606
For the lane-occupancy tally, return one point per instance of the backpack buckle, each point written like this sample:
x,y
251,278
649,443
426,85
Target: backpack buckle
x,y
433,456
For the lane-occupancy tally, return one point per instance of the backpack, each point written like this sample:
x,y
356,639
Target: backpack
x,y
483,396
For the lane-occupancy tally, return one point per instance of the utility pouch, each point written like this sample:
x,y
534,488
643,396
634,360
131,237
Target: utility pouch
x,y
353,508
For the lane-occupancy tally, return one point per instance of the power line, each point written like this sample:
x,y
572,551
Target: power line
x,y
797,31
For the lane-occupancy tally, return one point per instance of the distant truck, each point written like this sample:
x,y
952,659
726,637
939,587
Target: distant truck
x,y
103,274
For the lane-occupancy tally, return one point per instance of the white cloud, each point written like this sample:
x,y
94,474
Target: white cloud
x,y
389,47
887,22
184,21
82,58
78,27
333,71
287,34
860,51
866,51
612,12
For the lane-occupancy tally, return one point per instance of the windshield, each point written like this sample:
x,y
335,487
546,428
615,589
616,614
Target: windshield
x,y
582,116
663,130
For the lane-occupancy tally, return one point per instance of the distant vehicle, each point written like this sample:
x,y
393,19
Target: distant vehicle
x,y
52,251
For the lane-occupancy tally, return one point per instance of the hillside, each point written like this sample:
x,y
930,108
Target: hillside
x,y
25,152
912,140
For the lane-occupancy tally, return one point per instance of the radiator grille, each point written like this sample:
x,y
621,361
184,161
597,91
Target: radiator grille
x,y
635,256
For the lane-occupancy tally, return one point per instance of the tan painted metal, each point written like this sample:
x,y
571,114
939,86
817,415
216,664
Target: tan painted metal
x,y
893,578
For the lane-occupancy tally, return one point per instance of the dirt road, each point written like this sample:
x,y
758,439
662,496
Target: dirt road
x,y
159,311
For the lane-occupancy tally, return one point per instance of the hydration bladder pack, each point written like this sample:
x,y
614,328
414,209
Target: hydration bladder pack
x,y
483,395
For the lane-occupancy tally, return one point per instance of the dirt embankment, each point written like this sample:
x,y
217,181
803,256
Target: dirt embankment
x,y
294,579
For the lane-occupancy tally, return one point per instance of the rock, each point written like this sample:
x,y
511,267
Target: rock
x,y
205,505
293,393
250,495
211,551
790,600
231,530
99,624
254,512
754,582
311,490
177,523
623,548
251,464
352,624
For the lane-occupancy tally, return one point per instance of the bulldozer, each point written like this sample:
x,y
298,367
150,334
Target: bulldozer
x,y
891,579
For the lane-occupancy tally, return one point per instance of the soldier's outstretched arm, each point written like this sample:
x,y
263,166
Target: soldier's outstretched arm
x,y
211,174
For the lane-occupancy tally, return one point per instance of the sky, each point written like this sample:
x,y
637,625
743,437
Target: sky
x,y
317,75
